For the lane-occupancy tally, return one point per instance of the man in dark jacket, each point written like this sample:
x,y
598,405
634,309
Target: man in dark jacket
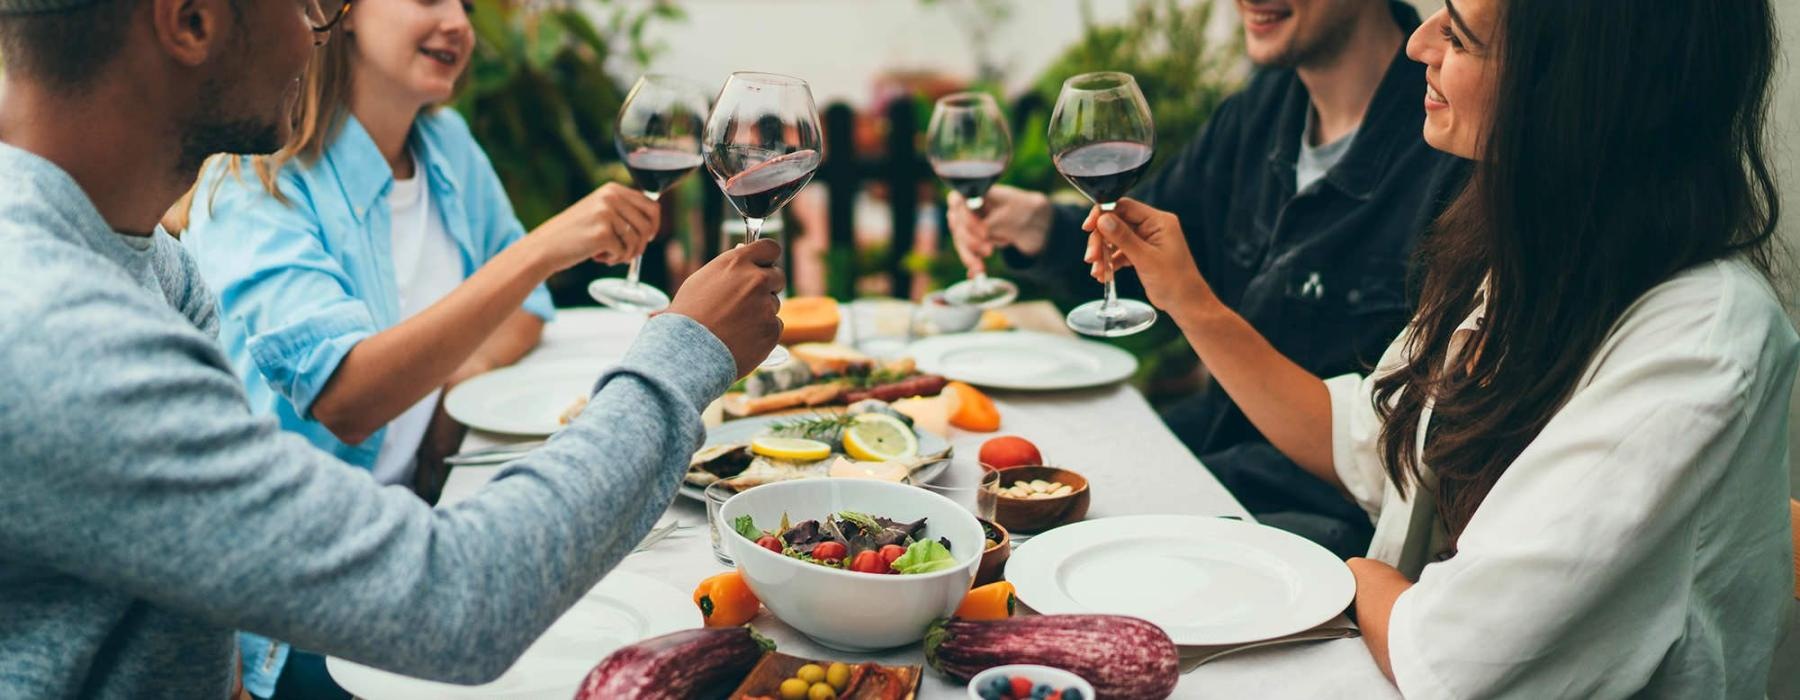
x,y
1302,199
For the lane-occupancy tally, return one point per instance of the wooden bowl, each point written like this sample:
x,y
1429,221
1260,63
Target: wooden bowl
x,y
993,559
1033,515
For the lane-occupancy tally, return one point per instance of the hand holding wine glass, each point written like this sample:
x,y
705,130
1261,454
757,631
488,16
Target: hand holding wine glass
x,y
1101,139
969,146
763,146
658,136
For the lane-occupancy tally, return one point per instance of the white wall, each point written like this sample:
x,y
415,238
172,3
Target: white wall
x,y
839,46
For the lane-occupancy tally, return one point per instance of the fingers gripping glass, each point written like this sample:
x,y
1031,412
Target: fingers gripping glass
x,y
325,14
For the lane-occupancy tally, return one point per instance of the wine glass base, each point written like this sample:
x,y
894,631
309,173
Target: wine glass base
x,y
991,294
1126,317
776,358
625,295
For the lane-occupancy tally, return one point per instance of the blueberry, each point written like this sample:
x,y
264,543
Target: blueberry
x,y
1073,693
1043,690
989,692
996,688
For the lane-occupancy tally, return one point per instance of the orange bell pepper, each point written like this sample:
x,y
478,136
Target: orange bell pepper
x,y
726,601
994,601
972,410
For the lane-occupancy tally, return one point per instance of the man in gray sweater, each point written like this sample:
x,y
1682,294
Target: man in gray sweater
x,y
145,514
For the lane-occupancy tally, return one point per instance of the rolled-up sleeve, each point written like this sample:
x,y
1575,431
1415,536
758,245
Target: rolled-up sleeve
x,y
293,302
1355,427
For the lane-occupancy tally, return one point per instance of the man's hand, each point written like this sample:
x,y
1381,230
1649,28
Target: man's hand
x,y
734,296
1009,217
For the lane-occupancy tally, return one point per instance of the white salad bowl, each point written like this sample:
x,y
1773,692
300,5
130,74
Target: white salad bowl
x,y
843,609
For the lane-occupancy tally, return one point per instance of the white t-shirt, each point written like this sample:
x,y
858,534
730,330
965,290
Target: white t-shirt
x,y
1639,545
427,265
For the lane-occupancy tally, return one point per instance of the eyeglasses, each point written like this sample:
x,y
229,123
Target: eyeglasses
x,y
326,14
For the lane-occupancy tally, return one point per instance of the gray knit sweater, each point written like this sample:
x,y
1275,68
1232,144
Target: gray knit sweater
x,y
145,514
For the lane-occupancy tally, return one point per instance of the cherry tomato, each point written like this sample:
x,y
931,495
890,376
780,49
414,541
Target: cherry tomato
x,y
869,561
769,542
891,552
829,551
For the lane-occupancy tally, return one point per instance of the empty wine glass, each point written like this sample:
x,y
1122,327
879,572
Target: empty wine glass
x,y
969,146
1101,139
762,147
658,135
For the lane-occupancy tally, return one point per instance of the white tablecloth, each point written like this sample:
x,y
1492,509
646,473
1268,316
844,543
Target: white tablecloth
x,y
1134,466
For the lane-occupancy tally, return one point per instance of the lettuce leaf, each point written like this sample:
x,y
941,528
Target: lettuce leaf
x,y
746,526
924,557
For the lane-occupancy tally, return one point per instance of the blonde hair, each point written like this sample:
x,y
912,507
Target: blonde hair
x,y
317,116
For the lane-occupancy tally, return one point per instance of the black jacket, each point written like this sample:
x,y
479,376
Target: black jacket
x,y
1321,274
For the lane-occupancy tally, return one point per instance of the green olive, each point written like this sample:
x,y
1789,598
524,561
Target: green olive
x,y
794,689
821,691
838,675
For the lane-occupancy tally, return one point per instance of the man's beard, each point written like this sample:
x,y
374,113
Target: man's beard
x,y
1323,49
212,131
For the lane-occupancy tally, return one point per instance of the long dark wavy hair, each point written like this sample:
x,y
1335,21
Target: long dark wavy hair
x,y
1626,145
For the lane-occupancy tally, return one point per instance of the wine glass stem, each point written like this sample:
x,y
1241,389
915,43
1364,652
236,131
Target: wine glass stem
x,y
752,230
637,263
981,278
1109,302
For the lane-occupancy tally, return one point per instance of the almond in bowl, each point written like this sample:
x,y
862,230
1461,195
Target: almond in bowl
x,y
1037,498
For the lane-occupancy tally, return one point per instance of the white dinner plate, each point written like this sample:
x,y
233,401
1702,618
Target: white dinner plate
x,y
624,609
743,430
1204,580
1023,360
524,399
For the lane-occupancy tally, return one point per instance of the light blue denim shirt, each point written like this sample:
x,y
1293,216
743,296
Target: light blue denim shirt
x,y
302,282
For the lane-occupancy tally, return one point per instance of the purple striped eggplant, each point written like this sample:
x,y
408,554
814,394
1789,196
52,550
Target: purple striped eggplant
x,y
1123,657
677,666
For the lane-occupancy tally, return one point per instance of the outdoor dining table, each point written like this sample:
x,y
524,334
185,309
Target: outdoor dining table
x,y
1134,465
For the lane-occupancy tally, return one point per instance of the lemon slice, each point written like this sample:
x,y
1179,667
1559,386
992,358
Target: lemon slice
x,y
790,449
876,437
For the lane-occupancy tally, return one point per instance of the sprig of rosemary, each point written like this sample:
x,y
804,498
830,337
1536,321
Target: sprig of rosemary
x,y
821,427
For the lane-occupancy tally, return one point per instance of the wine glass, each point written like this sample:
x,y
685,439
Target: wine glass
x,y
762,147
1101,139
969,145
658,135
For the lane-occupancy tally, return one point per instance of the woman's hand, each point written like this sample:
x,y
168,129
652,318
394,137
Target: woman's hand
x,y
611,225
1152,241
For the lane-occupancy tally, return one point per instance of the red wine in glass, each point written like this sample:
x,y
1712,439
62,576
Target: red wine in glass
x,y
656,170
761,190
1104,170
970,178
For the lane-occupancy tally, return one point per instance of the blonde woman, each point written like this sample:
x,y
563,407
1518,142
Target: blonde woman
x,y
376,261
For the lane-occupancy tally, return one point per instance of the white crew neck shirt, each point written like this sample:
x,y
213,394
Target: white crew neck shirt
x,y
427,265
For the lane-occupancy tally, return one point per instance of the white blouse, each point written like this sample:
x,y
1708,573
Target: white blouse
x,y
1640,544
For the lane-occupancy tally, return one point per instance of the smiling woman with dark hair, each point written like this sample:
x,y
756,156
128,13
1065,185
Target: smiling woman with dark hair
x,y
1576,452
